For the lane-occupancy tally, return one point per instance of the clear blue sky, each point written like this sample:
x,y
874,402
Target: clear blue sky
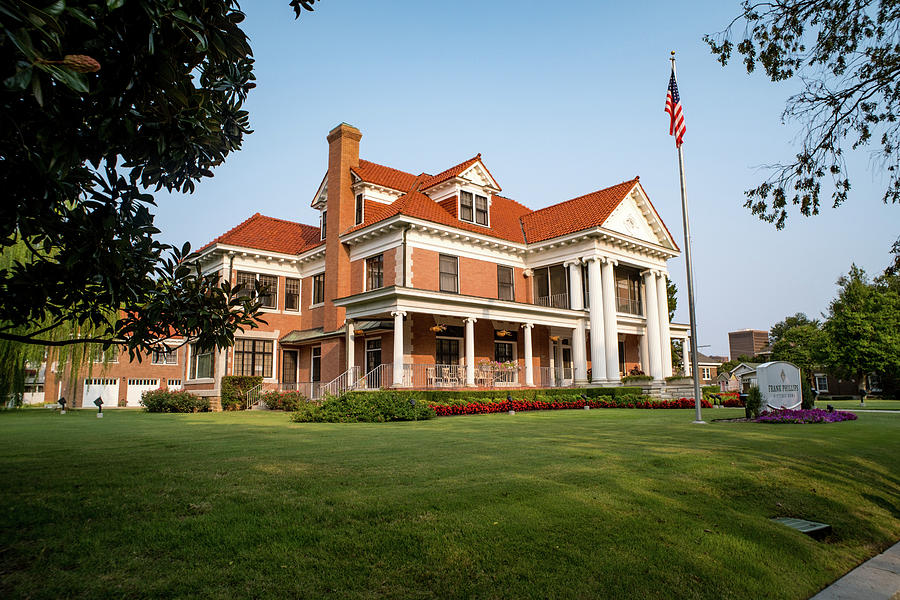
x,y
561,99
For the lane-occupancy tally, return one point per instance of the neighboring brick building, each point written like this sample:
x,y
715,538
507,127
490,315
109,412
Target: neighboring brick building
x,y
747,342
439,281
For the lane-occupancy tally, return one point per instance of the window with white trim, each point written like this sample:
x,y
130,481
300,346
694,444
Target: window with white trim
x,y
473,208
253,357
323,224
705,373
318,291
449,273
375,272
169,356
315,367
821,382
268,287
360,209
505,283
201,362
291,294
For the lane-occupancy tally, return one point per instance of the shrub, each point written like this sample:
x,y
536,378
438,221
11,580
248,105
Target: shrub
x,y
630,378
365,407
671,378
289,401
808,401
167,401
732,399
234,387
754,402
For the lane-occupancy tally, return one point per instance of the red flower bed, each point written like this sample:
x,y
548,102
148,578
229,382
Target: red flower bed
x,y
478,408
732,399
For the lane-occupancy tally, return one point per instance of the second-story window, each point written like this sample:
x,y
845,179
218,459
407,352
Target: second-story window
x,y
628,291
504,283
291,294
164,357
375,272
473,208
551,286
323,224
268,287
268,291
359,209
318,291
449,272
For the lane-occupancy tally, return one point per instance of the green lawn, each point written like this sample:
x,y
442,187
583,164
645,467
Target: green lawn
x,y
567,504
873,403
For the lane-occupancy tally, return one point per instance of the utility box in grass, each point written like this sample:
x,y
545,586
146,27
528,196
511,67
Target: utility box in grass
x,y
779,385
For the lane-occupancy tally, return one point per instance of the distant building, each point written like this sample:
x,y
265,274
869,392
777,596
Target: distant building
x,y
747,342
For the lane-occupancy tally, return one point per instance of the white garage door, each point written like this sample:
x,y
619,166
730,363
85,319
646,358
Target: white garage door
x,y
136,387
107,389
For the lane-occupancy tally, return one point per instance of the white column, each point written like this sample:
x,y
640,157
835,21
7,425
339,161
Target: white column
x,y
665,339
598,350
470,351
611,337
686,355
645,356
579,352
579,335
351,350
652,312
398,348
529,358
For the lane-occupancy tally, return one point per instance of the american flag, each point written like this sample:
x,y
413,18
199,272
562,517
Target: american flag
x,y
673,107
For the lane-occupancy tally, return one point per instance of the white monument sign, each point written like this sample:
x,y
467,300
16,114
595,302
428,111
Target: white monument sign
x,y
779,384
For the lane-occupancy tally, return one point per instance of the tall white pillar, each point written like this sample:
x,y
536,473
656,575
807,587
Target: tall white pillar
x,y
579,352
665,339
686,356
598,343
529,358
610,330
652,312
398,348
470,351
351,350
579,335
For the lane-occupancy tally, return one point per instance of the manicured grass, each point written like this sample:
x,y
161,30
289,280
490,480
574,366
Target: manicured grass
x,y
874,403
578,504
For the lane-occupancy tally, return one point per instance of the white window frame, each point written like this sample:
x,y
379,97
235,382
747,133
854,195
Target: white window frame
x,y
460,353
440,288
191,357
252,293
171,352
474,221
512,282
323,224
705,373
312,358
360,199
312,291
824,378
365,269
299,281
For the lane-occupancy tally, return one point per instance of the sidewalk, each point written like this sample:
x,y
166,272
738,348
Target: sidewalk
x,y
875,579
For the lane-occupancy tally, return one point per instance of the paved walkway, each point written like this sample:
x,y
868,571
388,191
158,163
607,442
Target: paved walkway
x,y
875,579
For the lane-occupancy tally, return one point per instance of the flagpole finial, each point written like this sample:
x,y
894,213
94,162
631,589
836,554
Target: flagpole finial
x,y
673,53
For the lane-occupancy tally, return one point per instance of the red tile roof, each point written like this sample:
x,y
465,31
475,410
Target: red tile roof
x,y
450,173
505,215
577,214
384,176
267,233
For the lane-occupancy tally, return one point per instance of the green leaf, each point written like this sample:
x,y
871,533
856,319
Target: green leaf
x,y
114,4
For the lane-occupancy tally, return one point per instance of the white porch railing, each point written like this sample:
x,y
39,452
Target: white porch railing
x,y
554,300
251,396
344,382
547,377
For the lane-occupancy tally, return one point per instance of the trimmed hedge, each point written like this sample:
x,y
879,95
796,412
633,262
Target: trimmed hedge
x,y
289,401
166,401
364,407
234,387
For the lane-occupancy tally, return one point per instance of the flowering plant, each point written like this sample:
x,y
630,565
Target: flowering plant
x,y
479,408
814,415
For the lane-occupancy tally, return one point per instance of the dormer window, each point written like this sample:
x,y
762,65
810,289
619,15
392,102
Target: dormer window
x,y
323,222
359,209
473,208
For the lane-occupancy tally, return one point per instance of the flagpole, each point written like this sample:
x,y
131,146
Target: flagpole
x,y
695,370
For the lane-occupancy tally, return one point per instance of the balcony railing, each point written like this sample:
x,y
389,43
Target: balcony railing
x,y
553,301
630,306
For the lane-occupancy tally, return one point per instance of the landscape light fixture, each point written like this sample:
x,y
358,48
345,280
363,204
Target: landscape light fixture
x,y
99,404
62,405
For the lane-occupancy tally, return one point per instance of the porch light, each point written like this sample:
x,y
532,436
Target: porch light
x,y
358,332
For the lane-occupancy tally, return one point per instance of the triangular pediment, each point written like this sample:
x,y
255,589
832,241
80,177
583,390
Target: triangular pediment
x,y
479,175
635,217
321,196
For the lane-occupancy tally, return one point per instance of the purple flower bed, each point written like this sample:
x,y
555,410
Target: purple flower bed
x,y
815,415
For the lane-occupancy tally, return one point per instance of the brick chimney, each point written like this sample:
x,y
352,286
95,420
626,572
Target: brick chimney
x,y
343,154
